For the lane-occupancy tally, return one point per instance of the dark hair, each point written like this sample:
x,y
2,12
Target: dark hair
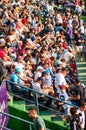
x,y
73,110
39,79
64,68
43,73
82,104
77,80
32,108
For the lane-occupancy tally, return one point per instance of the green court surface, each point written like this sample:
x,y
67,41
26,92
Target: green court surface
x,y
18,108
81,68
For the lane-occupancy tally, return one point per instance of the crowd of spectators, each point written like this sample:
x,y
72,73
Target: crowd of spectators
x,y
39,41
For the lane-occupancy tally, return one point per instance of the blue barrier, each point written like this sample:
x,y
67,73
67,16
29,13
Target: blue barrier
x,y
36,97
9,115
5,128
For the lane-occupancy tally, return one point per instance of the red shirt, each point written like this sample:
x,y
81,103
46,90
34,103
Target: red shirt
x,y
64,45
77,2
2,54
24,21
73,66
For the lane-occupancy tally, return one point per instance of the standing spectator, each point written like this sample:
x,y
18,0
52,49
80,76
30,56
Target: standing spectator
x,y
85,116
60,79
84,50
79,46
63,96
74,120
69,32
78,96
38,121
82,117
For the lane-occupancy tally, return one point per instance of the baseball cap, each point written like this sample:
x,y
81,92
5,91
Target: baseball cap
x,y
39,68
33,38
58,56
2,41
47,71
17,70
60,62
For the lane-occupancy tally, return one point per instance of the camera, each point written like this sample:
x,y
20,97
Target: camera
x,y
74,122
74,118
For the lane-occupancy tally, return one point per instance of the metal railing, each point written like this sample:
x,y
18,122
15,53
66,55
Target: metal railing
x,y
5,128
36,98
17,118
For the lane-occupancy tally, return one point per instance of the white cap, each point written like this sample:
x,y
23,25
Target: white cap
x,y
2,41
60,62
39,68
57,32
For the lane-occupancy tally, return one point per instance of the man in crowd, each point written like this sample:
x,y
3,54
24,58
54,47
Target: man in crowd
x,y
81,111
38,121
78,96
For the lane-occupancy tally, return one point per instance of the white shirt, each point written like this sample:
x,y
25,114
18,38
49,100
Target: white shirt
x,y
59,80
67,56
37,75
82,29
82,118
37,87
19,65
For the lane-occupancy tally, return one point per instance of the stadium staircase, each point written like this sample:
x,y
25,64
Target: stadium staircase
x,y
81,68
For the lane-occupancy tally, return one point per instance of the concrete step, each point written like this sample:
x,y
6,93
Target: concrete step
x,y
81,68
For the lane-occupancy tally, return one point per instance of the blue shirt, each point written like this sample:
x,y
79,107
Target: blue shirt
x,y
16,79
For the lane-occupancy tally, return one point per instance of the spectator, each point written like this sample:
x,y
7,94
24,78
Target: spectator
x,y
38,73
78,96
38,121
60,79
82,118
17,85
63,96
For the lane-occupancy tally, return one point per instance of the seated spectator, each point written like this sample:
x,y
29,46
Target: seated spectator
x,y
63,96
38,73
17,85
47,82
42,89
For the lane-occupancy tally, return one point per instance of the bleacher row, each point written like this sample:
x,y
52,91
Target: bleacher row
x,y
53,118
19,109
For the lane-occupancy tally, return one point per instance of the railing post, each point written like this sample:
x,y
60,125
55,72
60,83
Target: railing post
x,y
37,104
30,127
4,128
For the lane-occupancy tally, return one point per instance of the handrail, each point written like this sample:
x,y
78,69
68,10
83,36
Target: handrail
x,y
57,112
9,115
5,128
46,95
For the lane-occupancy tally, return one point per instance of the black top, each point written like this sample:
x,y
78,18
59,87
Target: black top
x,y
79,90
